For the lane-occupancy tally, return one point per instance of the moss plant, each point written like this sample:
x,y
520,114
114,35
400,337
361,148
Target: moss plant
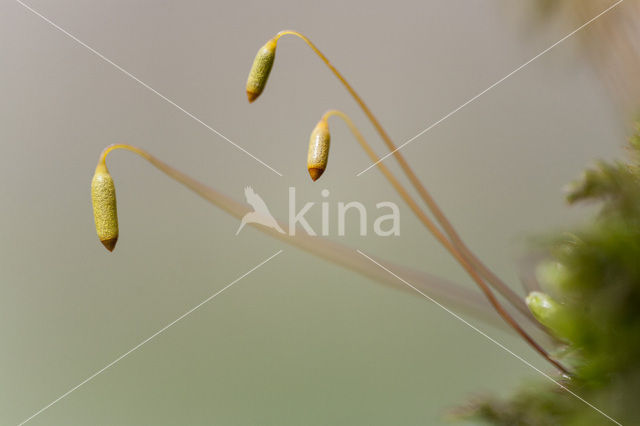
x,y
592,288
592,304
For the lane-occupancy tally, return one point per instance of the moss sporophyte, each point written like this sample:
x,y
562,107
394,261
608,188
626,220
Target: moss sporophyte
x,y
317,159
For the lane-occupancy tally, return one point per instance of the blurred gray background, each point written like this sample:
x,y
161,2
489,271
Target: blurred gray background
x,y
300,341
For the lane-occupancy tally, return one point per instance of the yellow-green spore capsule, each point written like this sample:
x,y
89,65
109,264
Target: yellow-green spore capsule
x,y
318,155
260,70
105,212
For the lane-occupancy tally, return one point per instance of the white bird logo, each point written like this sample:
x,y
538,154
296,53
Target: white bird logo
x,y
260,215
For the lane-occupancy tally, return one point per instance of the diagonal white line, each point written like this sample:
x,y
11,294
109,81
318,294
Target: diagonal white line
x,y
133,77
88,379
492,86
490,338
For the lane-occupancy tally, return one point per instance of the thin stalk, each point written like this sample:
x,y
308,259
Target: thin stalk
x,y
144,154
484,271
426,221
446,291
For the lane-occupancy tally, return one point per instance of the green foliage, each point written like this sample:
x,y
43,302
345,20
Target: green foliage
x,y
594,287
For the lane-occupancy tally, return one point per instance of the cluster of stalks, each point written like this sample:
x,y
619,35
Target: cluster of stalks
x,y
105,210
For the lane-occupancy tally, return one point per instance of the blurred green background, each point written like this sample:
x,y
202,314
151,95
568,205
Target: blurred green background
x,y
300,341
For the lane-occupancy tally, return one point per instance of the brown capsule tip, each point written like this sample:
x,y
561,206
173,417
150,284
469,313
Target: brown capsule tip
x,y
315,173
252,96
110,243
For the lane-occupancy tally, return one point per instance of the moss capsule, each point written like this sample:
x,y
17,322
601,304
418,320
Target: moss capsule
x,y
105,212
318,155
260,70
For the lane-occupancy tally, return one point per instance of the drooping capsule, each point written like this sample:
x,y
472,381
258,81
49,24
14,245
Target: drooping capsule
x,y
105,212
260,70
318,155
